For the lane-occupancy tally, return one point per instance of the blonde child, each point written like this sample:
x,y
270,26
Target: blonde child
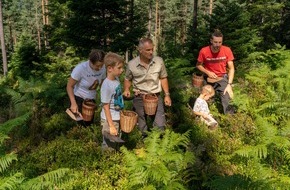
x,y
111,96
201,109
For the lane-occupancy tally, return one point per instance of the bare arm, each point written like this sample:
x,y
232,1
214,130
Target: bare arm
x,y
109,119
70,91
201,114
200,67
231,73
165,87
127,85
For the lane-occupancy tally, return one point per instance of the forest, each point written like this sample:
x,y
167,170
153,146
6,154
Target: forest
x,y
43,148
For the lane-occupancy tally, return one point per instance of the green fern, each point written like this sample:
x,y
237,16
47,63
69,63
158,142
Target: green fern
x,y
48,180
6,127
160,163
12,182
6,160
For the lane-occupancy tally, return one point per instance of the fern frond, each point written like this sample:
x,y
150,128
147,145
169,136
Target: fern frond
x,y
48,180
6,127
6,160
229,182
259,151
3,137
16,97
160,162
11,183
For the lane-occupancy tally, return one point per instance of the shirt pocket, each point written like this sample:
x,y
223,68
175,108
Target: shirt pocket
x,y
154,75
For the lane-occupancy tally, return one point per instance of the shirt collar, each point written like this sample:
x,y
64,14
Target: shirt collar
x,y
139,62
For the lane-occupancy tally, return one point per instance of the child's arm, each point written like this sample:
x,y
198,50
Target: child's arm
x,y
108,115
202,114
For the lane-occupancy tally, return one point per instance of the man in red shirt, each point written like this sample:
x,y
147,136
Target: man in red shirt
x,y
216,62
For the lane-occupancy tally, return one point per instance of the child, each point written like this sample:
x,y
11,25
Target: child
x,y
111,97
201,109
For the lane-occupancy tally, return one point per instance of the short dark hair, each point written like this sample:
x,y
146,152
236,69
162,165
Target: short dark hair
x,y
96,55
217,33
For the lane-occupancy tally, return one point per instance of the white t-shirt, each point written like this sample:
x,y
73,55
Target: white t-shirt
x,y
111,93
201,105
88,80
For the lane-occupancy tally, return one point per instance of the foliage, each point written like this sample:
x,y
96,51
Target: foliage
x,y
97,24
49,180
12,181
233,20
267,16
270,95
160,163
172,40
9,125
179,72
249,150
59,153
108,173
267,147
24,58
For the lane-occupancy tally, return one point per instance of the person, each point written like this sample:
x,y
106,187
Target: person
x,y
149,76
84,80
216,62
111,98
201,108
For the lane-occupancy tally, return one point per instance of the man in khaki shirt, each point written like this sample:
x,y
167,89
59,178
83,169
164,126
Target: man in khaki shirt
x,y
148,75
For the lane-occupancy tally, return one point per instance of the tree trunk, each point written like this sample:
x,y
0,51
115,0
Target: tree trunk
x,y
5,67
195,15
150,18
44,4
129,52
38,29
210,6
156,24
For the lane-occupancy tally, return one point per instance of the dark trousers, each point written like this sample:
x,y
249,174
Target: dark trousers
x,y
225,99
159,117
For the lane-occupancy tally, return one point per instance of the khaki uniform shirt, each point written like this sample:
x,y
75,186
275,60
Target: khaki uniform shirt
x,y
146,80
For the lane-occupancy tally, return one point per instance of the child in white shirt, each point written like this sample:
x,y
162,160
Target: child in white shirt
x,y
201,109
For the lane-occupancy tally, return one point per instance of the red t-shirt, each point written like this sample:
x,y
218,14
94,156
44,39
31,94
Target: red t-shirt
x,y
215,62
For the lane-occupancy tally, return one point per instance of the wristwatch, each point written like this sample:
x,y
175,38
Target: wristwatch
x,y
167,94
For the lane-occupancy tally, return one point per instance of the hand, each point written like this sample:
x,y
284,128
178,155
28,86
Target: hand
x,y
113,131
205,116
167,101
127,93
229,90
74,108
211,75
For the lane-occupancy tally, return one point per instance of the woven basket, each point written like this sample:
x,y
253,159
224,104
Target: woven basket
x,y
128,120
197,80
88,110
150,102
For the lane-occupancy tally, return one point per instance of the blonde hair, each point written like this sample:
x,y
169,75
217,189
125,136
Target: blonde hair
x,y
208,89
113,59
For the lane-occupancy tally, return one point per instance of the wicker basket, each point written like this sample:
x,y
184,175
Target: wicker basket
x,y
197,80
150,102
128,120
88,110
